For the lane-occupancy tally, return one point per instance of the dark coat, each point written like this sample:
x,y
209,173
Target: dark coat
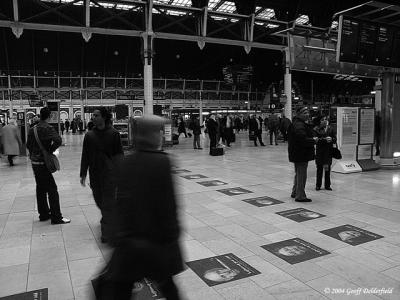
x,y
49,138
300,141
212,127
146,219
323,149
253,126
196,127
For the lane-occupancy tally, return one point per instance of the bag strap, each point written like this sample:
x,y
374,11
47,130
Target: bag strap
x,y
38,140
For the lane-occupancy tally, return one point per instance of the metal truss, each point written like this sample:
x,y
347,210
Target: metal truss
x,y
136,18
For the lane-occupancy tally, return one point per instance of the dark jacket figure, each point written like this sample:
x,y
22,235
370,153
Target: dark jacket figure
x,y
378,121
73,126
90,125
182,127
301,151
273,126
100,151
285,123
67,125
45,183
80,125
196,133
323,158
228,129
212,128
146,219
62,128
256,126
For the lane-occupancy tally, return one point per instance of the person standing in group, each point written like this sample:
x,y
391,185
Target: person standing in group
x,y
323,158
62,128
212,128
256,126
73,125
67,125
196,133
45,183
273,125
228,129
377,129
101,149
301,151
147,226
11,141
182,127
285,123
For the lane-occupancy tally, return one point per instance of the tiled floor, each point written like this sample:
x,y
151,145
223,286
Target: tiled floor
x,y
37,255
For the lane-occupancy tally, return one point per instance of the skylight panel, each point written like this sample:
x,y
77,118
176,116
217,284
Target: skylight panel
x,y
125,7
182,2
175,12
212,4
107,5
267,13
302,20
227,7
161,1
335,25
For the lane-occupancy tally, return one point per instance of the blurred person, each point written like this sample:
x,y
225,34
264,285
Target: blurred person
x,y
196,127
67,125
146,221
256,126
212,128
62,128
284,126
182,127
273,126
323,158
73,125
11,141
378,121
45,183
228,130
301,150
80,125
101,149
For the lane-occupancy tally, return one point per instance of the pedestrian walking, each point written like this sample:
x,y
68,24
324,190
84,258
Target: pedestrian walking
x,y
11,141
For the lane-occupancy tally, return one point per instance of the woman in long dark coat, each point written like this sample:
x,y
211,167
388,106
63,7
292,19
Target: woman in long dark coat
x,y
323,159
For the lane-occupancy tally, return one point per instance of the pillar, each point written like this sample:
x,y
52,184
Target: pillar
x,y
288,86
71,107
200,108
378,96
390,118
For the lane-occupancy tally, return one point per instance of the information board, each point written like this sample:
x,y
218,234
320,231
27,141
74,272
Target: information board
x,y
347,123
366,126
368,43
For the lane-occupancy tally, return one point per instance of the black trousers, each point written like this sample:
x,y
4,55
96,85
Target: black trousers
x,y
10,159
274,132
46,186
320,171
213,141
257,135
104,200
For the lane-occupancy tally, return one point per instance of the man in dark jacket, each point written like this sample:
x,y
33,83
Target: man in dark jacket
x,y
101,148
147,228
212,128
273,126
67,125
195,126
255,125
301,151
284,126
45,183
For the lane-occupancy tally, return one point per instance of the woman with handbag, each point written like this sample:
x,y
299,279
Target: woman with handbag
x,y
323,159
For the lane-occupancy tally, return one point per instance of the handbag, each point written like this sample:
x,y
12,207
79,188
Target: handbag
x,y
50,160
335,153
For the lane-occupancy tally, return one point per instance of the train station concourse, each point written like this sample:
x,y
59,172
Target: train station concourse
x,y
199,149
238,221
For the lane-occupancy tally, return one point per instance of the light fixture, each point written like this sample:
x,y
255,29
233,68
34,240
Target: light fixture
x,y
45,50
396,154
373,92
116,53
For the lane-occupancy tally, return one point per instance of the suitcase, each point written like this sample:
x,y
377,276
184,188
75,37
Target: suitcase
x,y
216,151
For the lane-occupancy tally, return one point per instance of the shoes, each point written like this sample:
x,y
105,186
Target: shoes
x,y
43,219
195,148
61,221
303,200
263,145
200,148
293,195
255,145
270,143
328,188
317,188
276,144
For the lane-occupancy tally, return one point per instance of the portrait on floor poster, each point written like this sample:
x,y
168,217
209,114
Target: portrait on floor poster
x,y
221,269
295,250
194,176
234,191
351,235
147,290
41,294
300,214
212,183
179,171
262,201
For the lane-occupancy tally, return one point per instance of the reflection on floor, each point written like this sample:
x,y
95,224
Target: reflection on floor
x,y
244,237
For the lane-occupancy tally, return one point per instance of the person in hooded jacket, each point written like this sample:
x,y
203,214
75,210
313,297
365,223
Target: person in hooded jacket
x,y
146,222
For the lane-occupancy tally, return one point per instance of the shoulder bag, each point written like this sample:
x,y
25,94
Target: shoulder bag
x,y
50,160
335,152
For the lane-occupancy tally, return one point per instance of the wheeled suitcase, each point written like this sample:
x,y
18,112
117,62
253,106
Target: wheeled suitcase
x,y
216,151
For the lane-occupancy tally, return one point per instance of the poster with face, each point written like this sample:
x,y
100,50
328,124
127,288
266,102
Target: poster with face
x,y
221,269
212,183
234,191
263,201
194,176
300,214
351,235
41,294
295,250
179,171
146,290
